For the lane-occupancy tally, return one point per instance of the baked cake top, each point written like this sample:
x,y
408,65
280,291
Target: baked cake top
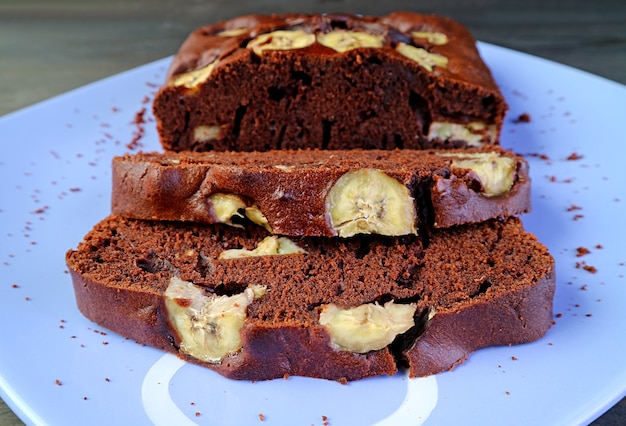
x,y
448,47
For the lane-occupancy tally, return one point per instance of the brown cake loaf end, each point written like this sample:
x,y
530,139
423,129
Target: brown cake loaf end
x,y
298,81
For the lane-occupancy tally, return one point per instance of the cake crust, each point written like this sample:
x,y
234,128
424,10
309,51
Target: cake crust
x,y
422,72
486,284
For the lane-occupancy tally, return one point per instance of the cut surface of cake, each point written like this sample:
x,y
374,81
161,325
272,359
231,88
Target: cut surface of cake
x,y
256,306
297,81
324,192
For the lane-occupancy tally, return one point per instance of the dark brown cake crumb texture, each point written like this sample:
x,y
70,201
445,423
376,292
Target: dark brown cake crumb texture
x,y
494,265
376,97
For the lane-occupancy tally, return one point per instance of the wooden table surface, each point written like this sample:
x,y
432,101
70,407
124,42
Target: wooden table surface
x,y
47,48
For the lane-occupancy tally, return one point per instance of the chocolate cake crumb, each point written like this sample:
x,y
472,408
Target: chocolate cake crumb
x,y
523,118
513,358
590,268
139,121
139,116
599,246
573,207
574,156
261,417
581,251
58,382
540,156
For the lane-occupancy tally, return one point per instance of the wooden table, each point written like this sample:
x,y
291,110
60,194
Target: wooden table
x,y
47,48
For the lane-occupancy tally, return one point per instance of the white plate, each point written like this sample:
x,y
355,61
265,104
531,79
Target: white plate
x,y
58,368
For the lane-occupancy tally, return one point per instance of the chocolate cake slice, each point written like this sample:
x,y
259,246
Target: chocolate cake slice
x,y
295,81
256,306
322,192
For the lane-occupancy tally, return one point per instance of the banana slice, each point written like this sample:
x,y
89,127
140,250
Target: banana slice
x,y
422,56
342,41
367,327
281,40
432,37
208,325
256,216
194,78
206,132
367,201
234,32
496,173
269,246
225,206
475,133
